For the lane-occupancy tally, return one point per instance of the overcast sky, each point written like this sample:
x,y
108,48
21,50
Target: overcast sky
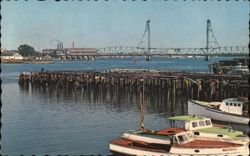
x,y
97,24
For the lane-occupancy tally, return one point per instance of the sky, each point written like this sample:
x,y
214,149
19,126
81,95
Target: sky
x,y
99,24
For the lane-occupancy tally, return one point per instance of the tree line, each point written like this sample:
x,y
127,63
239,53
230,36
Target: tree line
x,y
27,50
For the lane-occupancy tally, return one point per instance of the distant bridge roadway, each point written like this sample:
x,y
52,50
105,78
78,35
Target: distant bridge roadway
x,y
137,51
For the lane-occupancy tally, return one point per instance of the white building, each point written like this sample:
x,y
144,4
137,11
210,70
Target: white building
x,y
11,55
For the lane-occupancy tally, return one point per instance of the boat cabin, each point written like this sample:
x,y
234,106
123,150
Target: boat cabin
x,y
237,106
183,137
190,122
239,69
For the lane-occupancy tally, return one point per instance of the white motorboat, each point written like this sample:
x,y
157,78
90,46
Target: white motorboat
x,y
239,69
201,127
182,144
233,110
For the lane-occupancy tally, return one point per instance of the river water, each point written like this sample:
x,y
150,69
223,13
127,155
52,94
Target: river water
x,y
64,122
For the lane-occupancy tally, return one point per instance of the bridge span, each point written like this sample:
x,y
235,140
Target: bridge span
x,y
138,51
130,51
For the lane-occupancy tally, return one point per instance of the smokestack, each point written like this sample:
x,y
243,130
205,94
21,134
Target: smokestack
x,y
58,46
73,45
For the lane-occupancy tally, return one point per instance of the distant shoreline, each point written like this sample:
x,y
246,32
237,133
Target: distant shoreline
x,y
25,62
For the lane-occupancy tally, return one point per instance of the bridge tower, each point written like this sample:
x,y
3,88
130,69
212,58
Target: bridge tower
x,y
210,39
142,45
148,57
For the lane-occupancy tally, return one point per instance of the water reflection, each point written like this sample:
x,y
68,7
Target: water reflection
x,y
158,102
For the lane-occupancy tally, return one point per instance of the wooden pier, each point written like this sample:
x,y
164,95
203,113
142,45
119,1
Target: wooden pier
x,y
202,86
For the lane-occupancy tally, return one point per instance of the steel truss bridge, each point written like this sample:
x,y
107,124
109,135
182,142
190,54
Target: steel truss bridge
x,y
138,51
212,48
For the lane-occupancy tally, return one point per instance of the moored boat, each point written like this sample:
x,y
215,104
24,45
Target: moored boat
x,y
201,127
182,144
239,69
233,110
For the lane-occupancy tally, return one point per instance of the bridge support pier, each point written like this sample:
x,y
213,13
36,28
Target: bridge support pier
x,y
85,58
79,57
91,58
206,57
62,58
148,58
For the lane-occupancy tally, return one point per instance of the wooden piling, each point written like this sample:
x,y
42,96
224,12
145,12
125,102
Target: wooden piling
x,y
170,85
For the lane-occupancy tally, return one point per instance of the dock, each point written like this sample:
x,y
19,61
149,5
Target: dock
x,y
199,86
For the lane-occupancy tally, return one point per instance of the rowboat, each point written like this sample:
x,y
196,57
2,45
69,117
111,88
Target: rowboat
x,y
233,110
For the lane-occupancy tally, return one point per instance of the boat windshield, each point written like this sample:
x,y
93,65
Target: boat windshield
x,y
200,124
183,138
208,122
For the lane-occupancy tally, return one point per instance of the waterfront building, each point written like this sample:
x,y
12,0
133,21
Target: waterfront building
x,y
11,55
54,51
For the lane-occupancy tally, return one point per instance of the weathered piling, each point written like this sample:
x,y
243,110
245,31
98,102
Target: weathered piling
x,y
24,78
202,86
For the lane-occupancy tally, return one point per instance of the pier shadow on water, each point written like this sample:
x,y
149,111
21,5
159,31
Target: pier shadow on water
x,y
156,100
160,102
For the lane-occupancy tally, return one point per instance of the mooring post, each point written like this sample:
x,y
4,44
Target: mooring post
x,y
168,89
174,92
142,104
207,90
182,94
192,90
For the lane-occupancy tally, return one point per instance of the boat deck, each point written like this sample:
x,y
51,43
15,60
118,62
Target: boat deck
x,y
206,144
169,131
214,105
223,131
149,134
141,145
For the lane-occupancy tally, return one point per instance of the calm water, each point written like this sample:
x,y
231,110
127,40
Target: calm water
x,y
65,122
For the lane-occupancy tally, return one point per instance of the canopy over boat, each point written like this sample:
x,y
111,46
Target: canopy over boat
x,y
187,118
191,122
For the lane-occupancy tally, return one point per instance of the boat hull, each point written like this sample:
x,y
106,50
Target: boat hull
x,y
195,108
131,151
125,150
